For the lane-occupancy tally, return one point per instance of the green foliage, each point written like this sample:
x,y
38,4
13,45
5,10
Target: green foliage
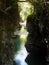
x,y
9,21
9,12
26,9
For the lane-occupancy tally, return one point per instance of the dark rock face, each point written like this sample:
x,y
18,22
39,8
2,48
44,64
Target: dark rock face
x,y
36,44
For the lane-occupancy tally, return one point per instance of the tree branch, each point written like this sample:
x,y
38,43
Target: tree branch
x,y
8,8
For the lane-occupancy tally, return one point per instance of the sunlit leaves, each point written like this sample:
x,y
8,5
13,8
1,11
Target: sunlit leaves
x,y
25,9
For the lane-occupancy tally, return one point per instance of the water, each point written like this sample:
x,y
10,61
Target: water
x,y
20,56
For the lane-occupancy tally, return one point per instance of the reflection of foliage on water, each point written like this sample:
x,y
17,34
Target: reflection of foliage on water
x,y
17,43
23,36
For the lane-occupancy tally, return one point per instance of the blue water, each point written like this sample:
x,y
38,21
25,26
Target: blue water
x,y
20,56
